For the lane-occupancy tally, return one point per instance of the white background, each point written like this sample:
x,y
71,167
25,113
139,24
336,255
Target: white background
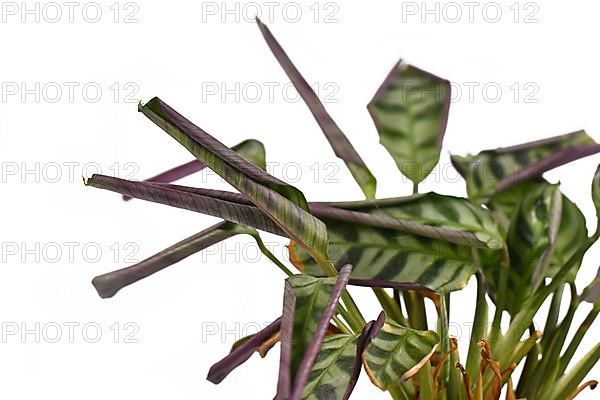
x,y
176,50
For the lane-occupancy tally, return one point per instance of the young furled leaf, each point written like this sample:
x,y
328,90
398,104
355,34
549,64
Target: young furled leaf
x,y
110,283
240,355
492,172
337,139
282,203
410,112
397,353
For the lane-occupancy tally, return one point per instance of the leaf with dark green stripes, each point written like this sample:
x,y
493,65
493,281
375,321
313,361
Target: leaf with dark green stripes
x,y
312,295
332,371
308,373
337,139
391,258
397,353
410,111
251,149
282,203
493,171
531,242
572,229
433,215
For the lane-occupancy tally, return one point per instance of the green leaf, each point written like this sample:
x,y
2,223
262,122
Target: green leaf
x,y
410,111
332,371
433,215
390,257
312,295
493,171
337,139
397,353
531,241
314,347
527,250
283,203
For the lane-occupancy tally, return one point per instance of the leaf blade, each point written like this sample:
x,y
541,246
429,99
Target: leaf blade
x,y
336,138
410,111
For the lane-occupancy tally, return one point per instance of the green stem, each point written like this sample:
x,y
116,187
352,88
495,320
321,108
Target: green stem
x,y
343,327
496,330
568,383
415,307
480,322
398,393
577,338
271,256
390,306
525,317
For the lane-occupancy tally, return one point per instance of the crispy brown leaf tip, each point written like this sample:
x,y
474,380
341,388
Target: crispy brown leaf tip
x,y
220,370
315,346
591,384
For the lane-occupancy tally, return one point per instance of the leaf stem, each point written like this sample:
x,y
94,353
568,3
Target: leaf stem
x,y
390,306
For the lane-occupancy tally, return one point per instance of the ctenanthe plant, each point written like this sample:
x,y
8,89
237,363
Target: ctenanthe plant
x,y
517,234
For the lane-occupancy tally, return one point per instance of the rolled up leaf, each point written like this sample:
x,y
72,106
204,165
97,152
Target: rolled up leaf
x,y
192,199
337,139
109,284
252,150
220,370
410,112
492,172
282,203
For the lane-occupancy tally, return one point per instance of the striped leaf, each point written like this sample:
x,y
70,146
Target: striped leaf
x,y
306,368
448,218
531,242
392,258
510,206
282,203
332,371
397,353
337,139
252,150
493,171
312,295
410,111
